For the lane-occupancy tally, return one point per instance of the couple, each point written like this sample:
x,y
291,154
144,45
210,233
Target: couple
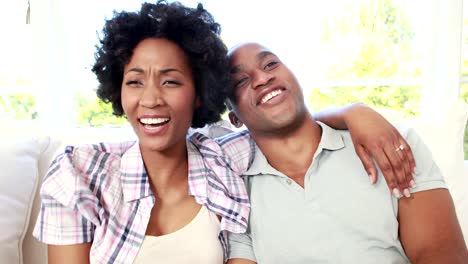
x,y
169,199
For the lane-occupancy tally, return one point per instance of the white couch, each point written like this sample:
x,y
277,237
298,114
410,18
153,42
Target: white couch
x,y
26,151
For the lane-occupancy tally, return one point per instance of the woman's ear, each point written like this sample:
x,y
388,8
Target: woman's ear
x,y
235,121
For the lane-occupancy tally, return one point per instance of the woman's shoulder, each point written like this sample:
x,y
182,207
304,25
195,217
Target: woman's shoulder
x,y
84,159
114,148
81,169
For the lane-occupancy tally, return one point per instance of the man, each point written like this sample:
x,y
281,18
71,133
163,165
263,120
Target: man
x,y
309,201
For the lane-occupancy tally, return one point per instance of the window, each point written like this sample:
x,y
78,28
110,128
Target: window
x,y
17,100
464,69
386,53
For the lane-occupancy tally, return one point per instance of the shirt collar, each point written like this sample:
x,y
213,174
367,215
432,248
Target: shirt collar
x,y
135,181
196,174
331,140
215,185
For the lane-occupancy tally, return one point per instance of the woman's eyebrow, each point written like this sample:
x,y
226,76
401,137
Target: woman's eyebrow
x,y
168,70
138,70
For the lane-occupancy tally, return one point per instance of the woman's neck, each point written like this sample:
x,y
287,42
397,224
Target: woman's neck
x,y
167,170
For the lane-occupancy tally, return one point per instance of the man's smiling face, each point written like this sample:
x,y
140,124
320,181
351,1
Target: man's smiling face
x,y
267,96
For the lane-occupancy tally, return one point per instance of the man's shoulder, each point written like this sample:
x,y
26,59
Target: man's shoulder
x,y
232,137
406,131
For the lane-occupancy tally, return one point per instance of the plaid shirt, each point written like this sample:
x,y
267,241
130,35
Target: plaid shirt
x,y
101,194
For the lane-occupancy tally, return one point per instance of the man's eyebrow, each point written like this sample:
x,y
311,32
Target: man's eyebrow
x,y
259,56
235,69
264,54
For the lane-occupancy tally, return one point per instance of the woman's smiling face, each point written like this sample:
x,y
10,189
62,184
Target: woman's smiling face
x,y
158,94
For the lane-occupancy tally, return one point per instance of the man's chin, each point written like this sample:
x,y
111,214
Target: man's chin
x,y
273,127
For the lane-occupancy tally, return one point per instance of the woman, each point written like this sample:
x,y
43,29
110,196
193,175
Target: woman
x,y
165,69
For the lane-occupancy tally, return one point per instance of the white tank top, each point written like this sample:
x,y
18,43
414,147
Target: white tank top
x,y
197,242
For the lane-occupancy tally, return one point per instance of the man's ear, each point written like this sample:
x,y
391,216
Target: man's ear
x,y
235,121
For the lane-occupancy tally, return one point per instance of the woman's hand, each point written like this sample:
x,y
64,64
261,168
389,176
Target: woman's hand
x,y
373,136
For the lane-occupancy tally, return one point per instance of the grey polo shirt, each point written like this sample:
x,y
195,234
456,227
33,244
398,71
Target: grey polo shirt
x,y
338,217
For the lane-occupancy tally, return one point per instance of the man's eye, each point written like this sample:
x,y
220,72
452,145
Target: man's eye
x,y
240,82
270,65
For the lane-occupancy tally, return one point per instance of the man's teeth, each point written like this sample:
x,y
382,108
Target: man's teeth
x,y
153,121
270,95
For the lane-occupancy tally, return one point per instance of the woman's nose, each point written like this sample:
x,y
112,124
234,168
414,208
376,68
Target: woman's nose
x,y
151,96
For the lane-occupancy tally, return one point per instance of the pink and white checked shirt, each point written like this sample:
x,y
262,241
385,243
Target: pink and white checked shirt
x,y
101,194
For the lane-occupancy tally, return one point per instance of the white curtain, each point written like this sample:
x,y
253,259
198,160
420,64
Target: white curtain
x,y
443,36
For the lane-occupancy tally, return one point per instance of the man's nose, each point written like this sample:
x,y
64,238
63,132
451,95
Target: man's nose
x,y
152,96
261,78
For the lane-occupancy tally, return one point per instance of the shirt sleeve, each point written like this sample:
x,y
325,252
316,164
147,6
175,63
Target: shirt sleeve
x,y
240,246
237,150
428,175
60,220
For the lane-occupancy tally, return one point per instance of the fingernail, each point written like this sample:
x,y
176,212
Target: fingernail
x,y
414,169
371,180
396,193
406,193
412,184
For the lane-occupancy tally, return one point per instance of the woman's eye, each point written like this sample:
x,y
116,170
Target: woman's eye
x,y
133,83
171,83
270,65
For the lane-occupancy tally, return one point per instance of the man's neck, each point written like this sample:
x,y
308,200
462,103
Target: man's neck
x,y
291,153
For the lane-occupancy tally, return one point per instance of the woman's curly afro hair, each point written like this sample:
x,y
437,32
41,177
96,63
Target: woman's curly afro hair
x,y
196,33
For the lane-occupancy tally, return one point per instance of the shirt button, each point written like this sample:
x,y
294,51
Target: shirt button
x,y
288,181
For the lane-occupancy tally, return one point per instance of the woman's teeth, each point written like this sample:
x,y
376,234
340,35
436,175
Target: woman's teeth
x,y
148,122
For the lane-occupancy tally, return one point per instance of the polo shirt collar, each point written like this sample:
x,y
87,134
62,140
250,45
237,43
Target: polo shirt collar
x,y
331,140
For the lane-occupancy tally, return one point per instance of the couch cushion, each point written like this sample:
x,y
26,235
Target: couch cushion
x,y
18,180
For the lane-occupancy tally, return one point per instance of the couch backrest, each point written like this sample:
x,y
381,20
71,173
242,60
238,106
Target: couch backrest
x,y
35,252
444,137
